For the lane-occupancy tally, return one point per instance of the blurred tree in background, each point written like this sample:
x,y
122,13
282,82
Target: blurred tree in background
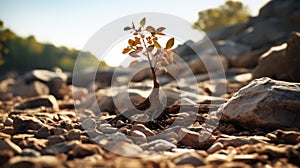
x,y
22,54
230,13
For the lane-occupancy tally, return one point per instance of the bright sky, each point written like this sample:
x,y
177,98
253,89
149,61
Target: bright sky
x,y
72,22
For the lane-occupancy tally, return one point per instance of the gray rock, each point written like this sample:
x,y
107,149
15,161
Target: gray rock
x,y
6,144
264,103
125,149
63,147
231,49
109,130
89,124
158,145
35,102
33,89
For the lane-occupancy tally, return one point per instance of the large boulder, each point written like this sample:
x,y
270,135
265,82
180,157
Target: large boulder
x,y
281,62
264,103
276,20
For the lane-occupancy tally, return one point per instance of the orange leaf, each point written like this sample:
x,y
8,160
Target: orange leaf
x,y
157,45
126,50
131,42
133,63
137,40
139,48
170,43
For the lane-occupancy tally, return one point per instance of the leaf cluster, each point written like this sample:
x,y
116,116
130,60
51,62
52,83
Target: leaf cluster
x,y
145,44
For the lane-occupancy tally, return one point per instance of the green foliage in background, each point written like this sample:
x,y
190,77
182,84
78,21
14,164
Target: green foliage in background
x,y
230,13
22,54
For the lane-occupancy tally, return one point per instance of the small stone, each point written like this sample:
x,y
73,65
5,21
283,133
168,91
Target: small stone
x,y
43,133
103,126
89,124
202,140
73,134
192,158
54,139
144,129
5,156
39,101
83,150
8,122
22,124
290,137
120,124
33,89
158,145
30,152
126,149
215,147
40,162
109,130
217,158
56,149
230,129
4,136
58,131
1,125
6,144
234,165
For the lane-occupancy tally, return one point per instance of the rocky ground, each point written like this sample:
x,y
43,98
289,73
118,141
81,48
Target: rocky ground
x,y
248,116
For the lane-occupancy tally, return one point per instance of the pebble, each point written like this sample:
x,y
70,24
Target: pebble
x,y
58,131
202,140
6,144
54,139
73,134
8,122
215,147
39,101
56,149
191,158
140,127
83,150
158,145
120,124
109,130
89,124
43,133
30,152
22,124
1,125
103,126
